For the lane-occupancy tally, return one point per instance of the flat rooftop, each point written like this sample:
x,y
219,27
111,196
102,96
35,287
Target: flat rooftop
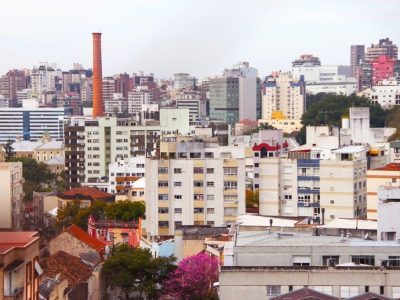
x,y
16,239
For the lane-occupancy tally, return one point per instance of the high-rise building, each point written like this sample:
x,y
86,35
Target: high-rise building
x,y
285,94
98,106
11,180
31,123
139,96
233,96
109,88
384,47
124,84
43,80
356,57
382,68
13,82
201,186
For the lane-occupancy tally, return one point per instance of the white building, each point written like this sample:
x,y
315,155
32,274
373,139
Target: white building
x,y
192,101
285,94
124,170
139,96
43,80
389,213
326,79
117,105
11,180
31,123
386,93
311,178
184,81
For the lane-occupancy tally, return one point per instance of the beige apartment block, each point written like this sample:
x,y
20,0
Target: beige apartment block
x,y
11,181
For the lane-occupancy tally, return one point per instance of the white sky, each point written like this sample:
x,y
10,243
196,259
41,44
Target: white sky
x,y
200,37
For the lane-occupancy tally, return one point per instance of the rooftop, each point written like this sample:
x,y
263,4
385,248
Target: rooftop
x,y
351,224
68,266
85,237
16,239
304,293
390,167
26,146
267,239
85,192
56,160
350,149
53,144
253,220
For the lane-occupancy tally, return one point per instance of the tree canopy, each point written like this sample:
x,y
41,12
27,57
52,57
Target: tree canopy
x,y
38,177
121,210
135,271
328,109
194,278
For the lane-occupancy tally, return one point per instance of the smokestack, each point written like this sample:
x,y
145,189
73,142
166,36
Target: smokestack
x,y
98,108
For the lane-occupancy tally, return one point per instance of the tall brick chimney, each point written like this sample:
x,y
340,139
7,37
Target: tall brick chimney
x,y
98,106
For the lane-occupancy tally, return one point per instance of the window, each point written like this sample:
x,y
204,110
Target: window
x,y
396,292
210,197
230,198
163,197
163,184
197,170
198,210
162,170
178,197
210,210
177,171
288,197
178,224
210,170
177,183
197,183
348,291
230,171
299,260
256,165
273,290
177,210
198,197
332,201
394,180
363,259
382,290
163,224
394,261
210,223
230,211
326,289
163,210
230,185
210,183
333,259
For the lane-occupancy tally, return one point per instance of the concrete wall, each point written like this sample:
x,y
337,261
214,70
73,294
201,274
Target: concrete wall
x,y
252,284
69,244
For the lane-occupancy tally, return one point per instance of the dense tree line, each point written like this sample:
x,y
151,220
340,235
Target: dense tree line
x,y
121,210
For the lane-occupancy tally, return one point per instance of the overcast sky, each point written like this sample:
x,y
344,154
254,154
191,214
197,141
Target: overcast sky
x,y
200,37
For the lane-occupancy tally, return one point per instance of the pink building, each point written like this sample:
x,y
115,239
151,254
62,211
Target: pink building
x,y
382,68
114,232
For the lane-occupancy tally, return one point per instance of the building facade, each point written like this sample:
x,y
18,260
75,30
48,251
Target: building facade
x,y
11,180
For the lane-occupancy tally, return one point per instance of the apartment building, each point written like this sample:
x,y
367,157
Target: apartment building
x,y
123,173
385,92
20,272
308,179
388,213
389,176
139,96
115,106
11,180
233,96
197,187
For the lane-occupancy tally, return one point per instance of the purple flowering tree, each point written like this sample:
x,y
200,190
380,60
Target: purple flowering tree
x,y
194,278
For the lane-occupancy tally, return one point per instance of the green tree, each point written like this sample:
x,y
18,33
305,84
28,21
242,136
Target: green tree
x,y
121,210
9,150
38,176
135,271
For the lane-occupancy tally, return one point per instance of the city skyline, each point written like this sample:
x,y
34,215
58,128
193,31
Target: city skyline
x,y
268,34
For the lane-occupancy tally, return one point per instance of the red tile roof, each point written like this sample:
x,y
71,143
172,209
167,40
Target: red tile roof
x,y
16,239
85,237
390,167
85,192
68,266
